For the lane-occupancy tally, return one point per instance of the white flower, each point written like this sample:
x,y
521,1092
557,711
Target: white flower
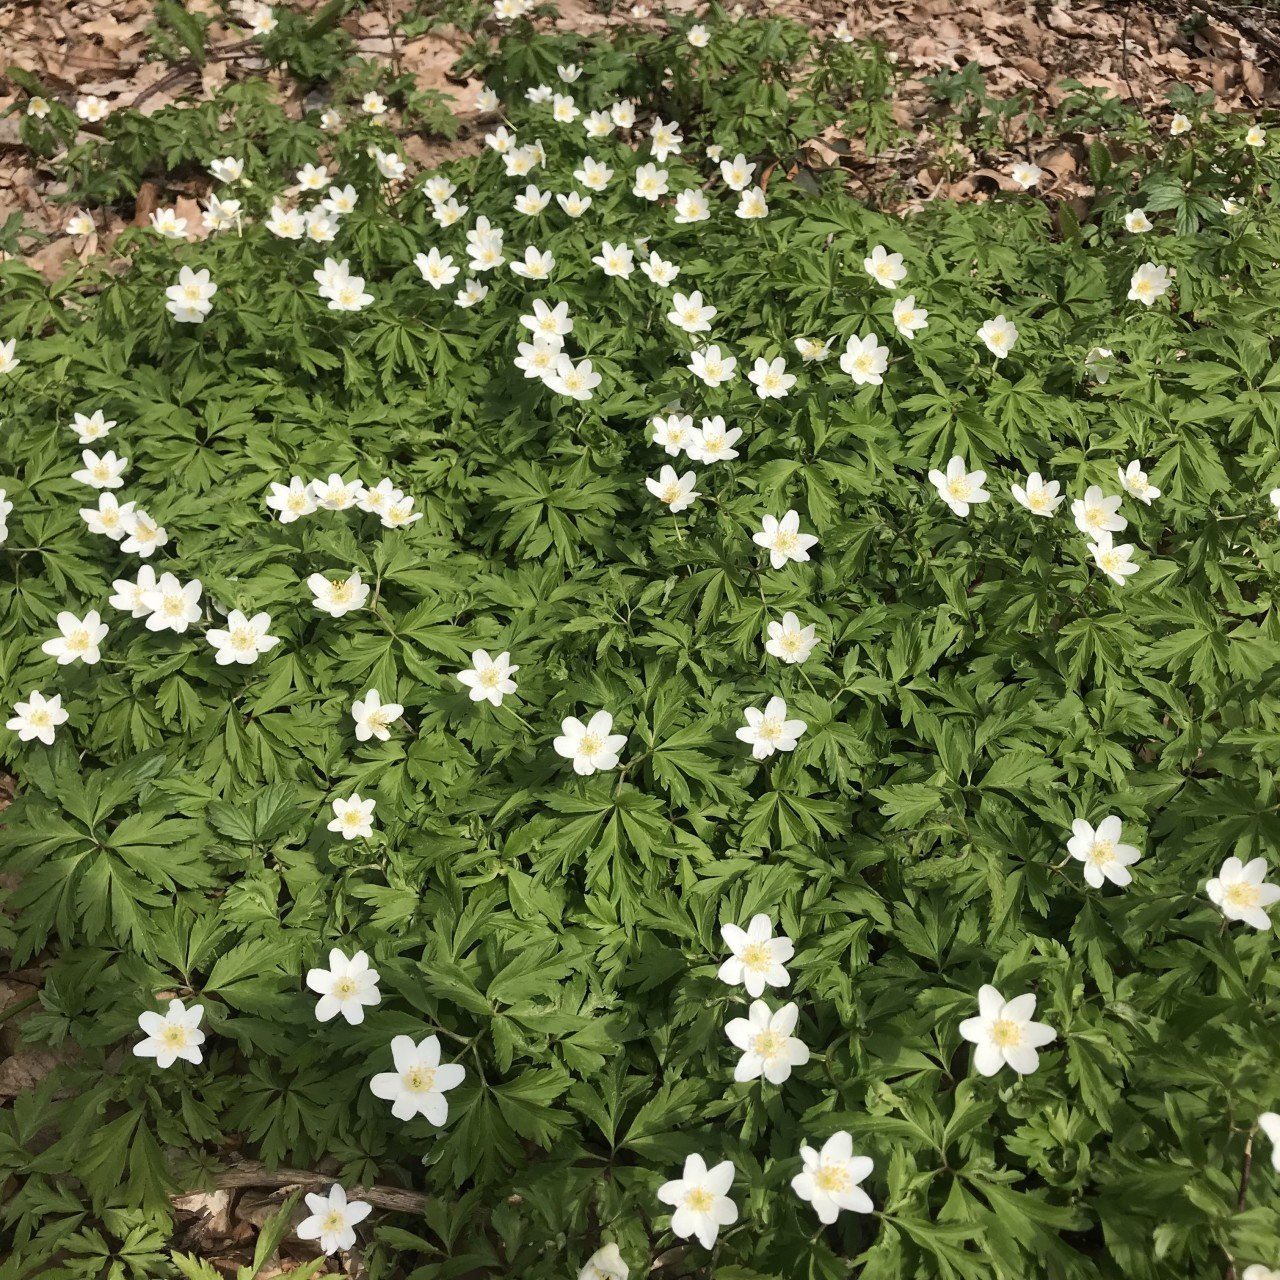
x,y
674,433
227,170
1149,283
292,501
1097,512
1135,483
592,746
998,336
615,260
1097,364
172,1035
958,488
79,639
145,537
130,597
348,294
737,173
190,300
312,178
790,641
908,318
471,293
712,442
103,472
538,358
221,215
623,113
593,174
390,166
1004,1033
577,381
320,226
261,20
700,1205
768,1047
437,270
353,817
752,204
758,958
712,365
698,36
692,206
337,598
885,268
400,514
94,427
532,202
437,188
109,517
1104,857
38,717
346,987
1231,207
549,322
1136,220
665,140
1115,561
1026,175
1240,892
676,491
8,361
865,360
500,140
336,494
286,224
373,104
1040,497
605,1264
373,717
166,222
563,109
173,605
769,730
79,224
574,203
1256,1270
650,182
568,74
419,1082
770,378
830,1178
659,270
1256,136
38,107
244,640
92,109
484,246
1179,124
783,540
333,1218
489,679
813,350
1269,1123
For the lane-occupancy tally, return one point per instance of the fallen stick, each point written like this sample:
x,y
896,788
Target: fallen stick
x,y
251,1173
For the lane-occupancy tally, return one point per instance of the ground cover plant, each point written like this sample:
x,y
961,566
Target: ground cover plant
x,y
688,723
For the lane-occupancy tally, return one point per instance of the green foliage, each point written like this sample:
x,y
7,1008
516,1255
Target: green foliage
x,y
978,684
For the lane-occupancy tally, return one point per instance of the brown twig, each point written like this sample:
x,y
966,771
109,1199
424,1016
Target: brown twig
x,y
251,1173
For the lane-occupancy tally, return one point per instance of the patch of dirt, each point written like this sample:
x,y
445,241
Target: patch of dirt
x,y
1137,50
